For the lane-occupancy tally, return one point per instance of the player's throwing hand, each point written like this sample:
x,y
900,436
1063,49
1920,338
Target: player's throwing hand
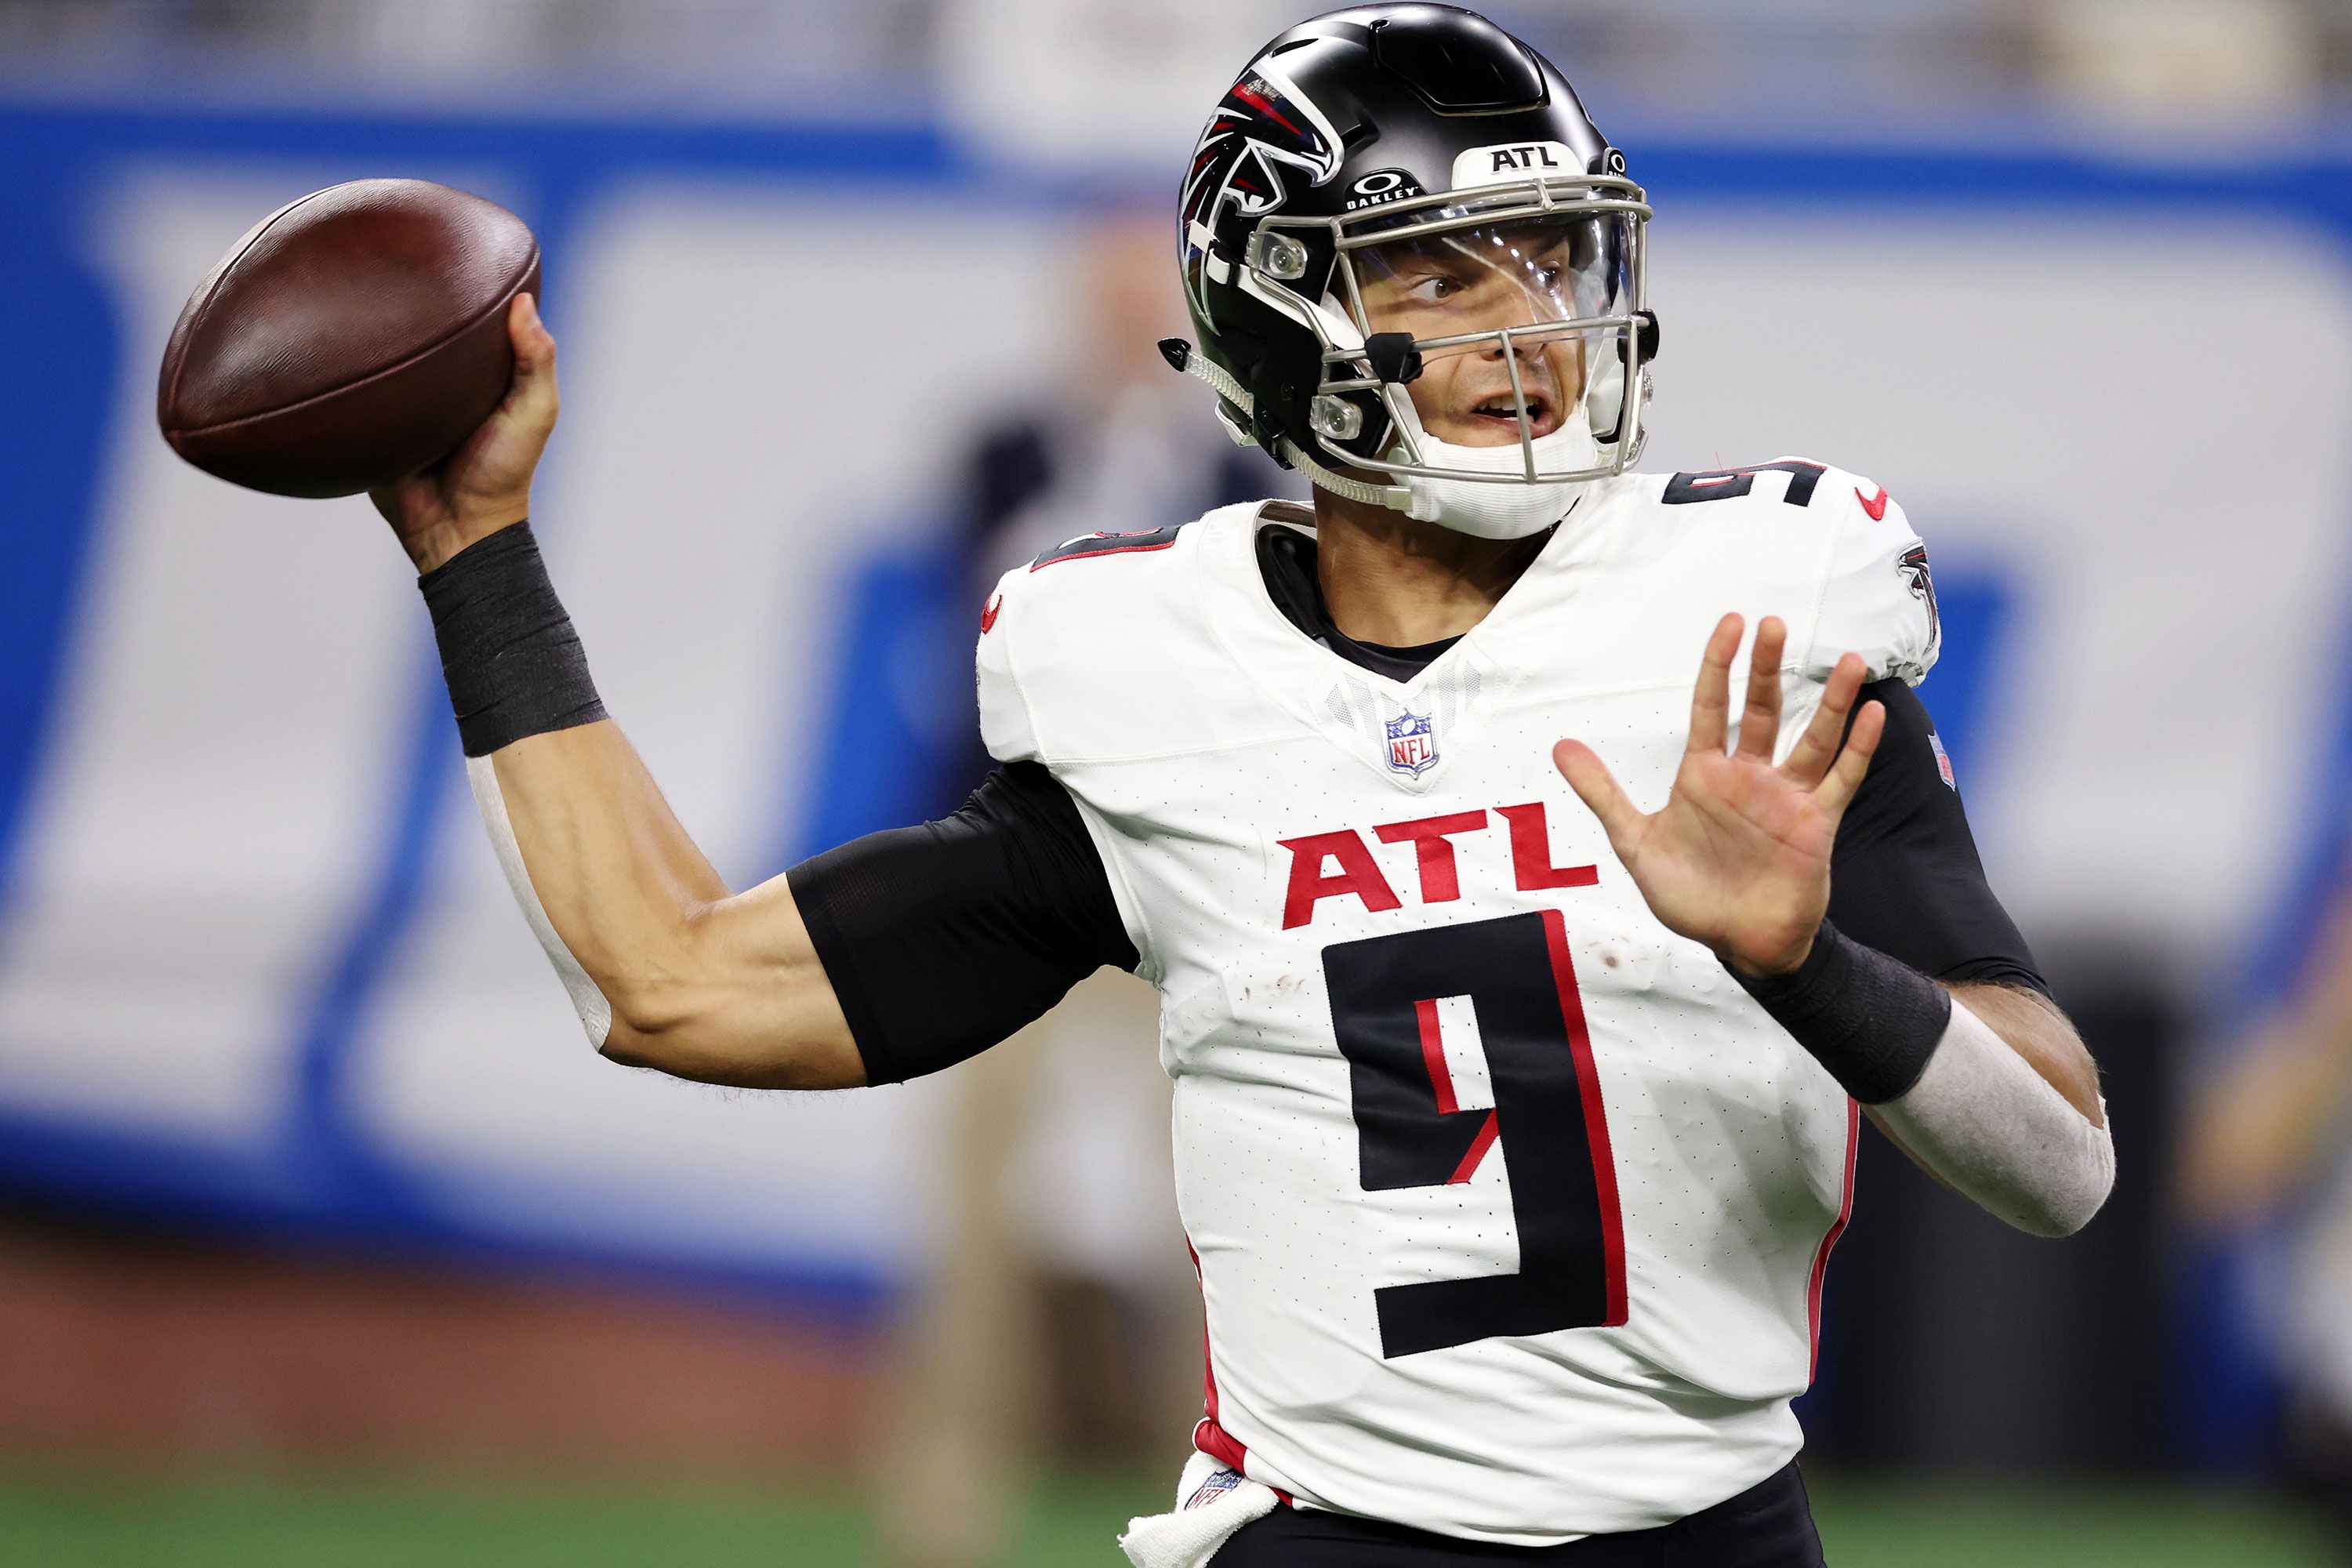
x,y
1739,857
483,485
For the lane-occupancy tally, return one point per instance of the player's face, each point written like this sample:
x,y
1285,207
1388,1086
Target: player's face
x,y
1482,281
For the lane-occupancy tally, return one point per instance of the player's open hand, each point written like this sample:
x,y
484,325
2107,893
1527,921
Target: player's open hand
x,y
1740,856
485,484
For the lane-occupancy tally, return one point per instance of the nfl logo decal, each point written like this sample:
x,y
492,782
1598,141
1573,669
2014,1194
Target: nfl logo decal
x,y
1210,1490
1412,745
1943,760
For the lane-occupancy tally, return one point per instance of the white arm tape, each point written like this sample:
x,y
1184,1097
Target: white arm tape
x,y
595,1013
1984,1120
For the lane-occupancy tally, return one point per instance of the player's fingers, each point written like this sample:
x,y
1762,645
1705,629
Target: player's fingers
x,y
1845,775
531,401
1760,722
1818,746
1598,788
534,345
1711,697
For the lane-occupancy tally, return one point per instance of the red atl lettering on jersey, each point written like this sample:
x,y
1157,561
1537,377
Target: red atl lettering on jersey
x,y
1875,505
1358,874
988,614
1441,878
1531,865
1436,858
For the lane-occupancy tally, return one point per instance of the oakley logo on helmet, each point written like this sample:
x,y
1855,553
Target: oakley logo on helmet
x,y
1380,188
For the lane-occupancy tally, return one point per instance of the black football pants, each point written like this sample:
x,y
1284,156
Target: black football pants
x,y
1769,1525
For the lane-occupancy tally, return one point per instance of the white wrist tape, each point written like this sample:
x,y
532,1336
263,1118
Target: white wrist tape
x,y
595,1013
1984,1120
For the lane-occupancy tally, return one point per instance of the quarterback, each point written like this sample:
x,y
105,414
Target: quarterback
x,y
1519,1077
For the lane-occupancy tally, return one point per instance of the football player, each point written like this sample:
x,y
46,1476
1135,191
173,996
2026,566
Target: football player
x,y
1517,1083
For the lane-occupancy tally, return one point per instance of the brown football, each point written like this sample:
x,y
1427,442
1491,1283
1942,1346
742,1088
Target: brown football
x,y
355,336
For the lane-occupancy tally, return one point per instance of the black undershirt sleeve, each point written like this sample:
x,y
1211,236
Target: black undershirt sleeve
x,y
942,940
1905,877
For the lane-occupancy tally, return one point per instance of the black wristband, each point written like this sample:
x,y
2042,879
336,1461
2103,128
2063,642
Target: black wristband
x,y
1872,1020
514,666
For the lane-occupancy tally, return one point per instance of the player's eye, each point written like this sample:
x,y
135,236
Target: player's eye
x,y
1549,270
1435,289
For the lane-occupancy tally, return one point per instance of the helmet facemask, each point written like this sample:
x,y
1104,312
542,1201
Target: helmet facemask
x,y
1483,351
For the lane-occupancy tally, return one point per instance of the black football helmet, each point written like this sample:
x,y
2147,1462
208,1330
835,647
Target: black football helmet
x,y
1384,188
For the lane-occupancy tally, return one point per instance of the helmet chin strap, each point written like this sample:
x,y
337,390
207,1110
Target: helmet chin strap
x,y
1194,364
1396,498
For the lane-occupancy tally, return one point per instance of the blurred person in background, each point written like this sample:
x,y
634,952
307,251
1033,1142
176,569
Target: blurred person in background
x,y
1060,1320
2269,1153
1120,438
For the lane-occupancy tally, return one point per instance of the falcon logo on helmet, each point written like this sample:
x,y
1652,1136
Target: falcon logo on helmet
x,y
1263,126
1397,192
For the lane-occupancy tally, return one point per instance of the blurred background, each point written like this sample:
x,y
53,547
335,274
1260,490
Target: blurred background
x,y
323,1236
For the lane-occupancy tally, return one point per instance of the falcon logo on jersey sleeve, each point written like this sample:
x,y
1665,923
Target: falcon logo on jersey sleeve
x,y
1914,565
1412,745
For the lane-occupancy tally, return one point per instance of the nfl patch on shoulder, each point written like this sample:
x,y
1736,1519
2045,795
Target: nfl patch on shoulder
x,y
1412,744
1943,760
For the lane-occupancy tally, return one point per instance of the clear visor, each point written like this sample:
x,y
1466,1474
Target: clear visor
x,y
1523,315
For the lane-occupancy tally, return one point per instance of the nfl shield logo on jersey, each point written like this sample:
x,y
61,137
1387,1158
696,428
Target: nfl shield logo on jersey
x,y
1412,743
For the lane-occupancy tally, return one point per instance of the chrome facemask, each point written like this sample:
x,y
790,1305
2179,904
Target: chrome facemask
x,y
1518,308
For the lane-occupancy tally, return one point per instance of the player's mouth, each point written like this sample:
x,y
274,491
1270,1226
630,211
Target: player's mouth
x,y
1500,415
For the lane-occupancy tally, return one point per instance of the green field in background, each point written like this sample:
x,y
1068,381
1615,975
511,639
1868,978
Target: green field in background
x,y
52,1523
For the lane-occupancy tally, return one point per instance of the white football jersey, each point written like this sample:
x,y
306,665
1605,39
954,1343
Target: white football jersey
x,y
1511,1208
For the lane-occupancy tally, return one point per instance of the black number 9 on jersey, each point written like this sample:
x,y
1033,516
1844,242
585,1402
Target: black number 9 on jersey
x,y
1401,1005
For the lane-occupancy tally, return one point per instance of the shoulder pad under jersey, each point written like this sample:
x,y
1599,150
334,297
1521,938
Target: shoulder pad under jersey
x,y
1879,600
1847,535
1082,651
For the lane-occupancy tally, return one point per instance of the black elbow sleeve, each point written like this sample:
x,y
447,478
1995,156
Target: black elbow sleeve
x,y
943,939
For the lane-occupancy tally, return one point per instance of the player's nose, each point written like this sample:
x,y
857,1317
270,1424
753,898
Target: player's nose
x,y
1540,363
1528,349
